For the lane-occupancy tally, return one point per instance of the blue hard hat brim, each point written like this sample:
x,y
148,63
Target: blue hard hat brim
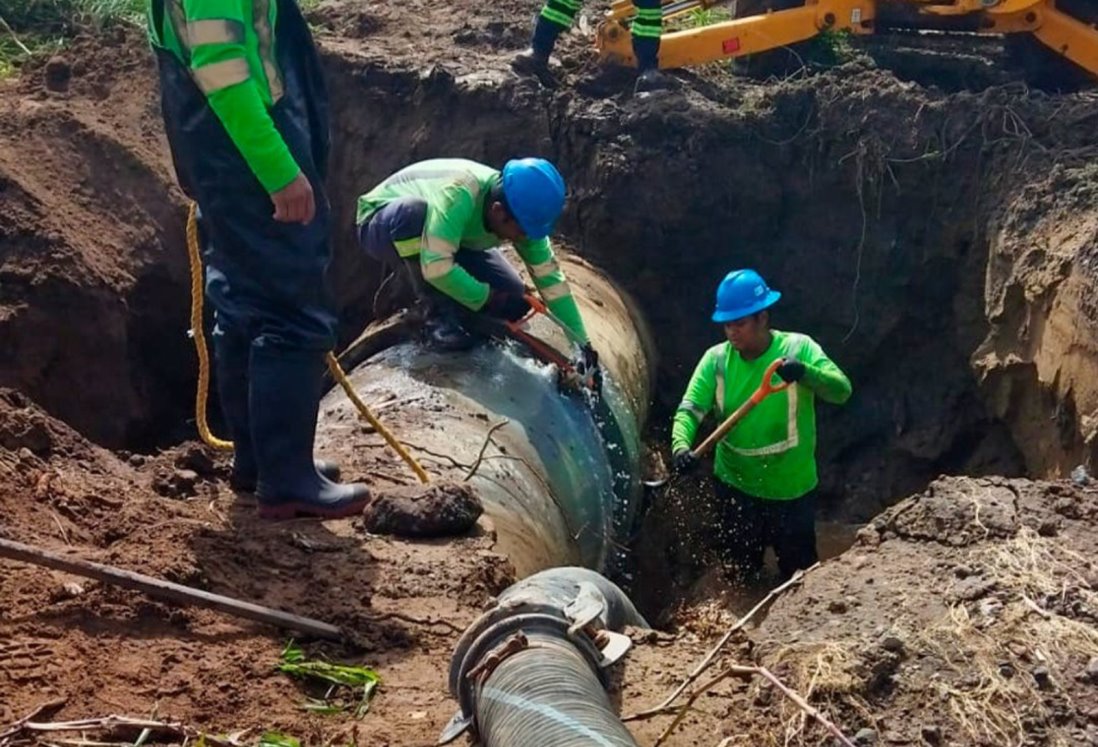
x,y
722,317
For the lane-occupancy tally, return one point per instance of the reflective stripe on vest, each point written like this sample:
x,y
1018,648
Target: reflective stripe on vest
x,y
793,436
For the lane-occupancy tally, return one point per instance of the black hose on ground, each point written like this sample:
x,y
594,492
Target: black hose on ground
x,y
530,671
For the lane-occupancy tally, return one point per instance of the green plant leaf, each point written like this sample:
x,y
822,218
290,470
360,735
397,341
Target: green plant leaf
x,y
278,739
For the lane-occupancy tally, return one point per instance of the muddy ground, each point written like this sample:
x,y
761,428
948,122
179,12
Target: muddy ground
x,y
965,615
930,222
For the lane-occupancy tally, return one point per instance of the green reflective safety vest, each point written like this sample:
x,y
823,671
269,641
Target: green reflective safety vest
x,y
771,453
455,190
228,45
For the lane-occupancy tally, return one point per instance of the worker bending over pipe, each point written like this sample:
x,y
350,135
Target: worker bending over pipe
x,y
440,221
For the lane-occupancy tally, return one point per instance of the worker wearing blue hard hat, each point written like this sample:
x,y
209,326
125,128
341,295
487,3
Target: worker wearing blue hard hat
x,y
443,221
765,467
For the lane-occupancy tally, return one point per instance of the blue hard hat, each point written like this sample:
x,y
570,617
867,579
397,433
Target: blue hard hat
x,y
534,191
742,293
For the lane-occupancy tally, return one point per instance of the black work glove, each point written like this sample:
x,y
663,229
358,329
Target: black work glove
x,y
509,306
588,366
684,461
791,370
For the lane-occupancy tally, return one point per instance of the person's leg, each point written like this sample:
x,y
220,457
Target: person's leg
x,y
646,30
555,18
393,236
266,281
491,267
795,534
741,542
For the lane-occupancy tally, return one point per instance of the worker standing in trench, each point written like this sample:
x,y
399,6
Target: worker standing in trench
x,y
246,114
441,221
557,16
765,468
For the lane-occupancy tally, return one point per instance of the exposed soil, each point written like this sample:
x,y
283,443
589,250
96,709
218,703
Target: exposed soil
x,y
962,616
93,307
937,234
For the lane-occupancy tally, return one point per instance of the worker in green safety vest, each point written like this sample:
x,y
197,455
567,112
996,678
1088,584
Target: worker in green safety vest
x,y
246,115
441,221
765,467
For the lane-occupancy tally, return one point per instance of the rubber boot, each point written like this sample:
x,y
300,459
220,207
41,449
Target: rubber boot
x,y
536,60
284,400
653,80
444,332
245,482
647,50
436,314
231,355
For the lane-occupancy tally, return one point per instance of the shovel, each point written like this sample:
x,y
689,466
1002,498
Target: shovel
x,y
766,388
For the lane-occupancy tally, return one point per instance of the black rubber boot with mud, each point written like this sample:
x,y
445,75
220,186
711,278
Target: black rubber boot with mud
x,y
285,397
232,353
244,480
653,80
532,64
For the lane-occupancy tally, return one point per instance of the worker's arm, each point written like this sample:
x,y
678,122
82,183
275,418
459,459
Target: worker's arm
x,y
551,284
446,217
821,374
696,403
216,32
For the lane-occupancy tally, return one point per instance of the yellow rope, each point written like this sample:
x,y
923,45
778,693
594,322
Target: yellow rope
x,y
398,447
204,364
199,335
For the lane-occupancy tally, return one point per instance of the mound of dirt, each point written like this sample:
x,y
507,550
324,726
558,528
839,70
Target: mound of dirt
x,y
965,615
102,650
93,306
919,232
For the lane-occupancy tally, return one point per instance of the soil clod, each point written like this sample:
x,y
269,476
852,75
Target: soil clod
x,y
443,509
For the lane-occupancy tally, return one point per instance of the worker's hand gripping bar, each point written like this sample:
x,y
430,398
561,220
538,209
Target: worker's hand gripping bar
x,y
545,351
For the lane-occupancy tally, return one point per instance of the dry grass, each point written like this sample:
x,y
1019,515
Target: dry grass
x,y
827,674
976,663
988,654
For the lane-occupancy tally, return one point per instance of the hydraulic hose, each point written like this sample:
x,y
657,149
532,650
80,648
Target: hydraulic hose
x,y
530,671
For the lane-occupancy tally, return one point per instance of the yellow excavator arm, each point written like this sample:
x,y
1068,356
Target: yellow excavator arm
x,y
1060,32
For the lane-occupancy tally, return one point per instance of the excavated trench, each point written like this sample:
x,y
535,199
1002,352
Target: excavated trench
x,y
938,244
890,216
881,254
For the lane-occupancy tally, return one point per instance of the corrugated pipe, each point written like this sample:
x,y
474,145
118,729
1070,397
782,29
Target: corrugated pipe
x,y
531,671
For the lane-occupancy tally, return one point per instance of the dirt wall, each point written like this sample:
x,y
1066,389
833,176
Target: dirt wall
x,y
873,204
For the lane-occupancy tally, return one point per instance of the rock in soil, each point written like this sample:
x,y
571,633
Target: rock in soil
x,y
444,509
58,74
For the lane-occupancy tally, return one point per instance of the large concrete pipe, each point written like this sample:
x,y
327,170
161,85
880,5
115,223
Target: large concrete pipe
x,y
561,483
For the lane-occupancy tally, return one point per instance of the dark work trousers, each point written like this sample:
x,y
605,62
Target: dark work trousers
x,y
748,525
403,219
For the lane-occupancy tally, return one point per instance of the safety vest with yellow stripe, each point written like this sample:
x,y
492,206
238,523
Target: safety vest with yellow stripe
x,y
229,48
455,190
771,453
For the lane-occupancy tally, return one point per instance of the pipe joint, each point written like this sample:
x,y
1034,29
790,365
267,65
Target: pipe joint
x,y
507,629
